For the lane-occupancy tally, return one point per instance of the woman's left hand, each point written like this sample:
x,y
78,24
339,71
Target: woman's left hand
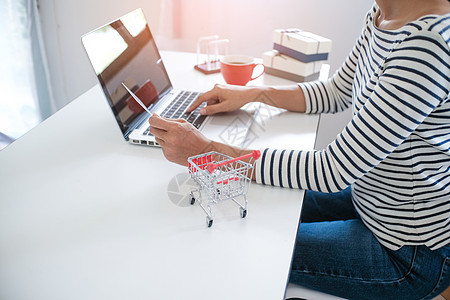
x,y
178,139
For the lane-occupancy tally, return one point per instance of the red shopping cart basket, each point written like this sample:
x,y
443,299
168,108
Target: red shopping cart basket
x,y
221,177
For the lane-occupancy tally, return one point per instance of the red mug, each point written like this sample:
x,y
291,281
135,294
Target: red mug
x,y
238,69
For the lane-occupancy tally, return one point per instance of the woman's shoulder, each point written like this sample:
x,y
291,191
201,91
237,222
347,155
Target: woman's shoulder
x,y
370,15
432,29
435,24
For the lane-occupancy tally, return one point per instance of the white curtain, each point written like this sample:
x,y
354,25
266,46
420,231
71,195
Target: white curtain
x,y
45,98
25,99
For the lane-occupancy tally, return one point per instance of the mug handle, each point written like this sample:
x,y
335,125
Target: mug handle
x,y
263,71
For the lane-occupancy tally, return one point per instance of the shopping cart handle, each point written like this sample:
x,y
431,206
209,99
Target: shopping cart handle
x,y
212,166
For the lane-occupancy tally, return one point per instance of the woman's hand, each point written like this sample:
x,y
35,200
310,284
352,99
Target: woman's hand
x,y
178,139
224,98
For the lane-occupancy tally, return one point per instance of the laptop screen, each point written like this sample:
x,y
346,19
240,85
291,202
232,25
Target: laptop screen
x,y
125,51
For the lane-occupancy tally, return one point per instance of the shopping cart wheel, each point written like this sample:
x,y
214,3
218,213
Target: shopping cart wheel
x,y
209,221
192,200
243,212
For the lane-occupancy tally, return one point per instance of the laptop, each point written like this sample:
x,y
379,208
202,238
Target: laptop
x,y
124,56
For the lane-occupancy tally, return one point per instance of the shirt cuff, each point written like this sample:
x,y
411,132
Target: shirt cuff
x,y
259,166
306,91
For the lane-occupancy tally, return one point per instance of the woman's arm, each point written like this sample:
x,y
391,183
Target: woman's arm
x,y
414,81
224,98
180,140
328,96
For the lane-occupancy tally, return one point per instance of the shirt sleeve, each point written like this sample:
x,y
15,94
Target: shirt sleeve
x,y
413,82
335,94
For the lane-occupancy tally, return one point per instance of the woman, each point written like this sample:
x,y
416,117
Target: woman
x,y
375,222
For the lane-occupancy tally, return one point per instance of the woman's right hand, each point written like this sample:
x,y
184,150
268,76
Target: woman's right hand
x,y
224,98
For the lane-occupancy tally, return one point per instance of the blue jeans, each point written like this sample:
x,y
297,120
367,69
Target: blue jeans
x,y
335,253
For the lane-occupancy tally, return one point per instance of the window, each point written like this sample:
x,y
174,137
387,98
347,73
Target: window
x,y
19,106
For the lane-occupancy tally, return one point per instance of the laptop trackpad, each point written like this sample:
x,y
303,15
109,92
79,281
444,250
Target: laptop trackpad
x,y
230,128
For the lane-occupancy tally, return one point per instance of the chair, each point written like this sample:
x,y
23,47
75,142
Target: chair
x,y
446,294
295,291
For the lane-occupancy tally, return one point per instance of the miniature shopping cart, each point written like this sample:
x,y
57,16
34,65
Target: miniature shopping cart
x,y
221,177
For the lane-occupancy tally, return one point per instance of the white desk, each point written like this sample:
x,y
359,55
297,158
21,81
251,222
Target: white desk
x,y
87,216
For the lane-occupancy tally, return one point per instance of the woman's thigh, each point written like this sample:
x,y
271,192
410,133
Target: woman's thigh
x,y
344,258
318,206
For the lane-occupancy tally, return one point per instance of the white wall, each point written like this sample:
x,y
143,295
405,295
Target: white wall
x,y
63,24
247,23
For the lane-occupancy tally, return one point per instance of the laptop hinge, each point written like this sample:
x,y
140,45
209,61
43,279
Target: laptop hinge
x,y
136,124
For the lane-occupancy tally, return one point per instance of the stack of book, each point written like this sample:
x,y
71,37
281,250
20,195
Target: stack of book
x,y
297,55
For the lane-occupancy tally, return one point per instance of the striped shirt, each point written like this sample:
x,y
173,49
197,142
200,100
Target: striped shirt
x,y
395,152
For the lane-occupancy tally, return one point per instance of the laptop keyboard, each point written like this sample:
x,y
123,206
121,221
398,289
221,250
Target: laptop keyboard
x,y
177,110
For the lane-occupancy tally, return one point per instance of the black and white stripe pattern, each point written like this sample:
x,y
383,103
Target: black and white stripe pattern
x,y
395,152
